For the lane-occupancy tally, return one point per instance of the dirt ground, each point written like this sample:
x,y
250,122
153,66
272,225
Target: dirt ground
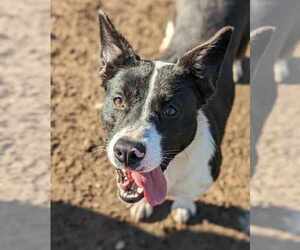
x,y
86,213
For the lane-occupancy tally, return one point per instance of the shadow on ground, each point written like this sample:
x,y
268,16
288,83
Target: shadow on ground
x,y
271,243
97,231
26,227
83,228
229,217
278,218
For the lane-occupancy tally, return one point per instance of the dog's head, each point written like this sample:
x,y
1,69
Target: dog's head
x,y
150,109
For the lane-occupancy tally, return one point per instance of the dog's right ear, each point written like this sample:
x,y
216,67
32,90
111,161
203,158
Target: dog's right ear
x,y
115,49
204,62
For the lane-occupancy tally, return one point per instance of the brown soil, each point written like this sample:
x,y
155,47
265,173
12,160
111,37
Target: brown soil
x,y
86,213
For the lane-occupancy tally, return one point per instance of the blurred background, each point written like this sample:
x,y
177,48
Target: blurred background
x,y
25,125
275,133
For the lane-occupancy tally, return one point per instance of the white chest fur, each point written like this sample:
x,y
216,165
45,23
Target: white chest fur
x,y
188,174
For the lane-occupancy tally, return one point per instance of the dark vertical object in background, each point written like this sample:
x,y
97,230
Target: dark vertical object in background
x,y
284,17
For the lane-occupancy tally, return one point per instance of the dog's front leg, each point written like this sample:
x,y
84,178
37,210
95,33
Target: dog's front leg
x,y
183,209
141,210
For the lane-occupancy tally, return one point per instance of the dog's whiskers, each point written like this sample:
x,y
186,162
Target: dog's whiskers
x,y
172,150
171,153
98,149
167,158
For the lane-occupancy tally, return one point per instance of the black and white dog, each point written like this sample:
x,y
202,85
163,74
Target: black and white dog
x,y
165,121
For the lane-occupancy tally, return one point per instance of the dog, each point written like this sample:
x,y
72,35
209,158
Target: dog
x,y
165,121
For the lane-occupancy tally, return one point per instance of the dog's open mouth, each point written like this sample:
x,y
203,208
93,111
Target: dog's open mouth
x,y
133,186
128,189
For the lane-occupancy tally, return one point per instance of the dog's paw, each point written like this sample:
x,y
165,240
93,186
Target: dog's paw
x,y
141,210
183,210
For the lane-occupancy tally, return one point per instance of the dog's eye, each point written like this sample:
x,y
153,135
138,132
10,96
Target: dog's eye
x,y
170,111
119,102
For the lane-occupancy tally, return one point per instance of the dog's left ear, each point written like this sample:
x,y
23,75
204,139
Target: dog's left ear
x,y
205,61
115,49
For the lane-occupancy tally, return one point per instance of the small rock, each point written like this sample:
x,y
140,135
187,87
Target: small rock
x,y
120,245
95,205
98,106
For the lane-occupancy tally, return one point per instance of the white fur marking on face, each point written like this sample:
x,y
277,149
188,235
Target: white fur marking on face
x,y
147,106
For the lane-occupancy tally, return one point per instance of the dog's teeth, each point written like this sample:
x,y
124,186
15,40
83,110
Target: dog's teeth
x,y
132,195
140,190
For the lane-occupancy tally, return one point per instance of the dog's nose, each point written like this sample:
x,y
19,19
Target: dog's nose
x,y
129,152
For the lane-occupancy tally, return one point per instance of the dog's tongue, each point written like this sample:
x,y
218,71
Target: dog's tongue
x,y
154,184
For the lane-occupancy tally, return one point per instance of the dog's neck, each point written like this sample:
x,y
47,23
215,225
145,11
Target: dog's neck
x,y
203,143
197,155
